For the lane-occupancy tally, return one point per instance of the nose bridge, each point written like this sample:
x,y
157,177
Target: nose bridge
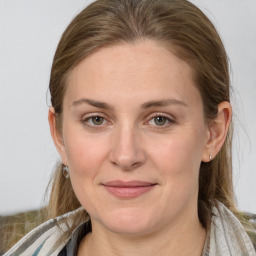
x,y
127,151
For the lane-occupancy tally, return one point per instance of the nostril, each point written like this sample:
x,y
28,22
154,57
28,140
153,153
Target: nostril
x,y
127,165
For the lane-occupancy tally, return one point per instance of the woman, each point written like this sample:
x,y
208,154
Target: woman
x,y
141,118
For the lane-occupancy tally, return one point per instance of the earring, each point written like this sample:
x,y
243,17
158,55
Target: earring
x,y
210,157
65,171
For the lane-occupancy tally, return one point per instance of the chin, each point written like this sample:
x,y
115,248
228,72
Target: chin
x,y
128,222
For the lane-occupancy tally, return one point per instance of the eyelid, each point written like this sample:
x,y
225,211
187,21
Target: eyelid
x,y
86,117
168,116
171,120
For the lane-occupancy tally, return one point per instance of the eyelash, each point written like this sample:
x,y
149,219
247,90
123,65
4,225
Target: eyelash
x,y
169,121
85,121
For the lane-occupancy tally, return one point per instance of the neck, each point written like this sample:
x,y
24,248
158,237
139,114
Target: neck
x,y
185,239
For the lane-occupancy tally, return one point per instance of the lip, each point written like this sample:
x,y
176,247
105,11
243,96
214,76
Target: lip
x,y
128,189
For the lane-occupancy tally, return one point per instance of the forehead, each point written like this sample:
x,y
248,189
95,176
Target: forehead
x,y
141,69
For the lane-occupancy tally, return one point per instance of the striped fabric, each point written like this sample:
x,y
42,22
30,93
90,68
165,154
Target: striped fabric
x,y
45,239
226,237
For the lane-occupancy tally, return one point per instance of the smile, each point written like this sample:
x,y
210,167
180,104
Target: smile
x,y
128,190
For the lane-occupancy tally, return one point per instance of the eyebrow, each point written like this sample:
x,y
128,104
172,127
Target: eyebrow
x,y
94,103
163,103
146,105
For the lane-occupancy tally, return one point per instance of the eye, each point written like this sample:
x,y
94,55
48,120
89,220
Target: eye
x,y
94,121
160,120
97,120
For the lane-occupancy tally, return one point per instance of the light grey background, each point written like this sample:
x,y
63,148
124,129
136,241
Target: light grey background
x,y
29,33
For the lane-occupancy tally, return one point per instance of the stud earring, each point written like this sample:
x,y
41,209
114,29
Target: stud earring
x,y
210,157
65,171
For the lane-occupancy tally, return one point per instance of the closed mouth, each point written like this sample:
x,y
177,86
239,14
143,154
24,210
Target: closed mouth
x,y
128,189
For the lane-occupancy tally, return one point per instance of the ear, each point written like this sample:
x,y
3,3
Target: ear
x,y
217,131
56,136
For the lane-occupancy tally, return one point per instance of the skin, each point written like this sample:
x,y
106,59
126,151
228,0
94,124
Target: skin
x,y
127,143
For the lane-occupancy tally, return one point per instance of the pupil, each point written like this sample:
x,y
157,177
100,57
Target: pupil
x,y
97,120
160,120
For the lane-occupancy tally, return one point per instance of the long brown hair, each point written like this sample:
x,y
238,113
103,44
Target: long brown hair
x,y
183,29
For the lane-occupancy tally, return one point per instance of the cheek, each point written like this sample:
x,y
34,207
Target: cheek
x,y
84,153
85,156
179,156
179,161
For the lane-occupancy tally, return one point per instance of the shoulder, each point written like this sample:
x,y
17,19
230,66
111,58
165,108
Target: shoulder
x,y
47,238
251,227
228,236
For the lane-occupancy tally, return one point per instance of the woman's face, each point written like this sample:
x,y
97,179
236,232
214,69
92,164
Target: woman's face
x,y
134,136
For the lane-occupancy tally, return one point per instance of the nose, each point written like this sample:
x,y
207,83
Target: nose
x,y
126,151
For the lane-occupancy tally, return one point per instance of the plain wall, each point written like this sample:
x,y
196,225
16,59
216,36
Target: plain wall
x,y
29,33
